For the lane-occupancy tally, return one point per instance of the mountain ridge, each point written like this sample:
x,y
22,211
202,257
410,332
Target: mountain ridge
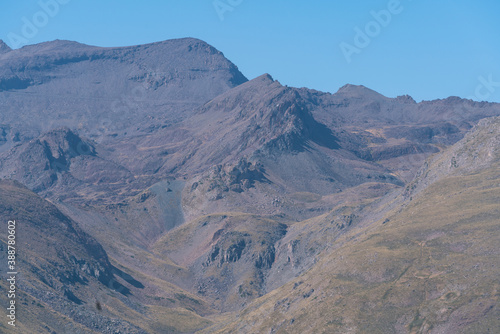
x,y
4,48
414,267
232,205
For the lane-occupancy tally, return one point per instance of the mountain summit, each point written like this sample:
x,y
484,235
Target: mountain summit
x,y
4,48
109,91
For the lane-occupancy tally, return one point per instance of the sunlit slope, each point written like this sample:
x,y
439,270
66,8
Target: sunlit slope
x,y
430,266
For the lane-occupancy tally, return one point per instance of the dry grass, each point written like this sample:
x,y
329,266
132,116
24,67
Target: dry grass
x,y
433,267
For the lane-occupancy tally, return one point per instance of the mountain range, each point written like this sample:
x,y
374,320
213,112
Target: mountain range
x,y
158,190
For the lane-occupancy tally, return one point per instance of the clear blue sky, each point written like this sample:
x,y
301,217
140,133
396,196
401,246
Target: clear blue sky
x,y
429,49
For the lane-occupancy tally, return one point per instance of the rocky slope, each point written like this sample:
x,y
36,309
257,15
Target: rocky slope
x,y
425,265
59,265
107,91
284,209
67,284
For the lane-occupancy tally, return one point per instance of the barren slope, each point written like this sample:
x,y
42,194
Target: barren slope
x,y
429,264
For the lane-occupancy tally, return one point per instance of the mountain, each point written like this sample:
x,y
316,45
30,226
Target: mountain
x,y
66,282
220,204
4,48
59,264
107,91
60,163
425,265
179,107
477,151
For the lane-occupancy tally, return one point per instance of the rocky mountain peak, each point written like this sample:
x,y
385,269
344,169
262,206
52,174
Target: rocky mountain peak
x,y
4,48
406,99
358,91
63,142
266,77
